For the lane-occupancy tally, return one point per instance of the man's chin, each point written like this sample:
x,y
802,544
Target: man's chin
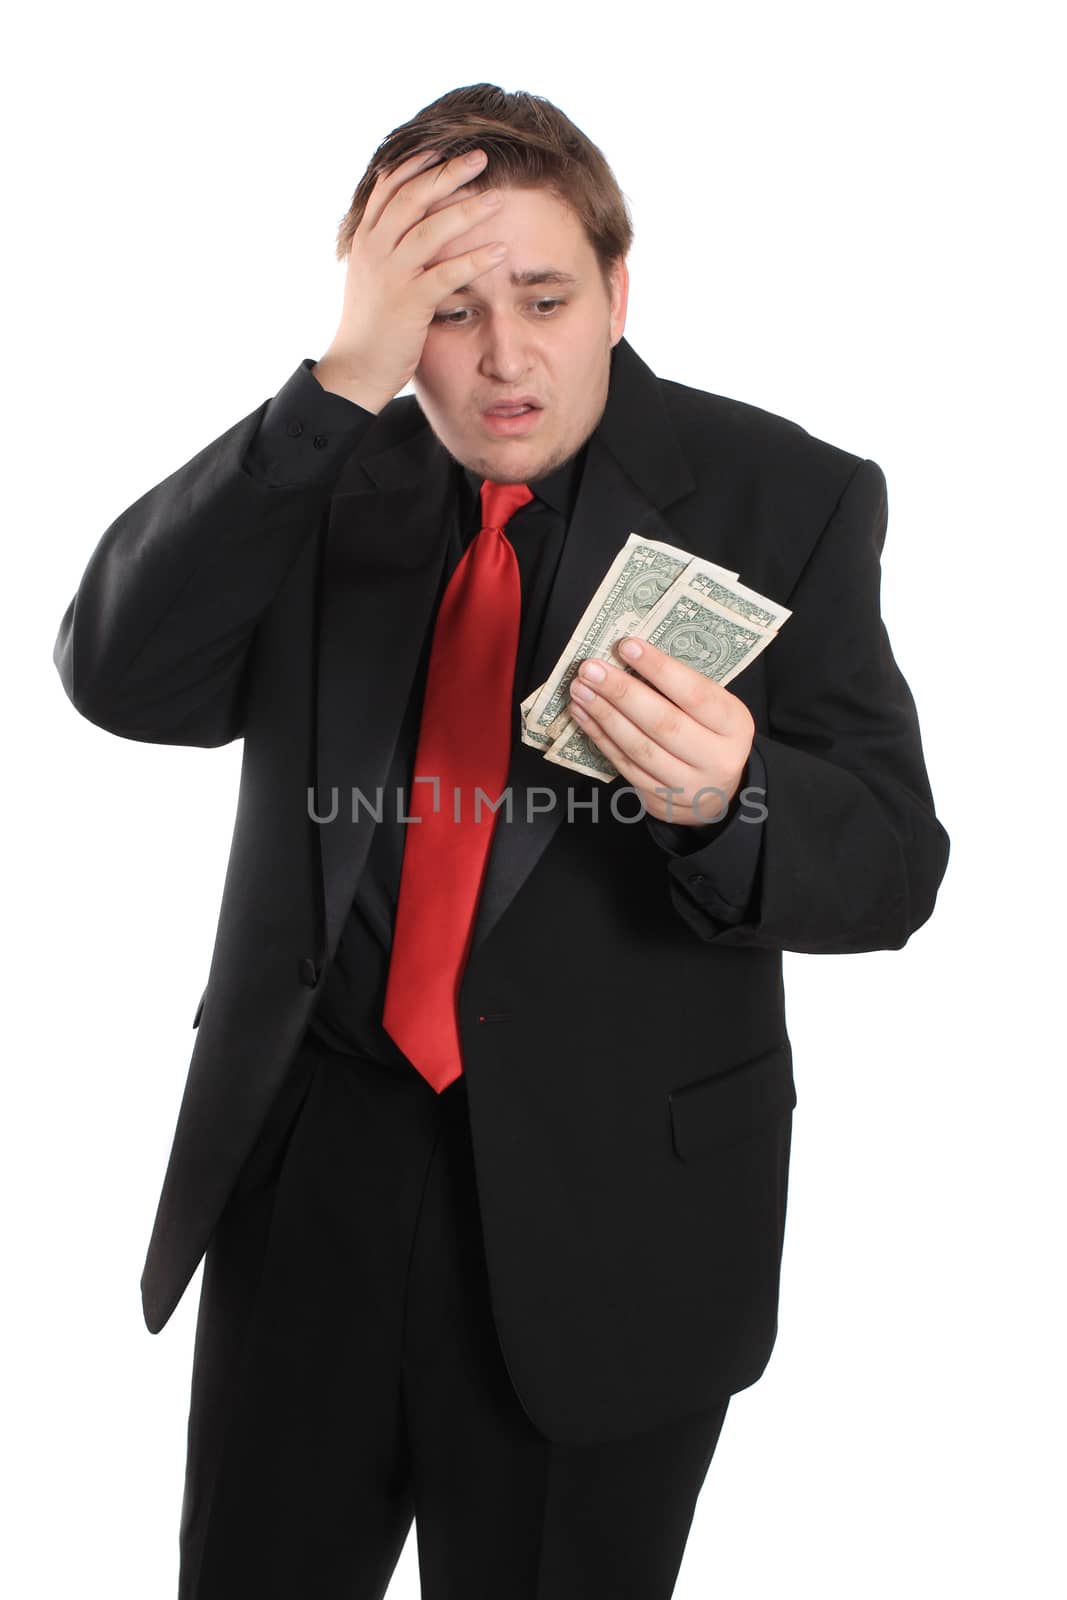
x,y
509,461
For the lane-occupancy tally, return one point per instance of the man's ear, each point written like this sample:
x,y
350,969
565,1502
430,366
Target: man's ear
x,y
620,292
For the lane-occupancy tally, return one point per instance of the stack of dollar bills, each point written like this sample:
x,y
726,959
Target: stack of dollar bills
x,y
693,609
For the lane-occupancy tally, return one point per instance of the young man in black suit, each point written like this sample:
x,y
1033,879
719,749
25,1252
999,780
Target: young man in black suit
x,y
496,1261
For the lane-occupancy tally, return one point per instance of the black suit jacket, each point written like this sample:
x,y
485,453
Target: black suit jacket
x,y
628,1068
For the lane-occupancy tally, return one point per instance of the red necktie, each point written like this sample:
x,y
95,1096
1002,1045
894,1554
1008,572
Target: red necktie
x,y
465,743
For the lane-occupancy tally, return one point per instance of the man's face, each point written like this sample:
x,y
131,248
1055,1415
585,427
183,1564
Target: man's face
x,y
501,340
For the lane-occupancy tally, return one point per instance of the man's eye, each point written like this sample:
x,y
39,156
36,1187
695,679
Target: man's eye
x,y
450,317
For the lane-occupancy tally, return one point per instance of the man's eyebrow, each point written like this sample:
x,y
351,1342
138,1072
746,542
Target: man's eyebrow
x,y
526,280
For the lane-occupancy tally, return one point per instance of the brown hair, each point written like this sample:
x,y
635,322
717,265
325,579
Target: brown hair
x,y
529,144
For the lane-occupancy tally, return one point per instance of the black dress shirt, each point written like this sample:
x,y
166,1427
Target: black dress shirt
x,y
305,435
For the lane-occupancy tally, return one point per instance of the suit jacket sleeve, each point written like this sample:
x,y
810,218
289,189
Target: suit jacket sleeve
x,y
722,857
154,643
851,853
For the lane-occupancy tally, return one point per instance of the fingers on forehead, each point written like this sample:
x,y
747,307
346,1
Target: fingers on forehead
x,y
406,169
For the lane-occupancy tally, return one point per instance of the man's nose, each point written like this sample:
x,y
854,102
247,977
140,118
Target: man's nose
x,y
505,346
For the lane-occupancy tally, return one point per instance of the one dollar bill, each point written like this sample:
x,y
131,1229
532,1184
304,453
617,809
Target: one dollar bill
x,y
703,616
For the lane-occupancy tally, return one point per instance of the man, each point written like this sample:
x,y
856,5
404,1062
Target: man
x,y
487,1127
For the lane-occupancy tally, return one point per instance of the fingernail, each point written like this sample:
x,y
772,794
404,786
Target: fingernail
x,y
593,671
630,649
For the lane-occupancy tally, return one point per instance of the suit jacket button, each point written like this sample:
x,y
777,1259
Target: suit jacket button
x,y
308,972
696,877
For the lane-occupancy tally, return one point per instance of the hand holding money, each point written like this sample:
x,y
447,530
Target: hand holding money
x,y
680,739
678,728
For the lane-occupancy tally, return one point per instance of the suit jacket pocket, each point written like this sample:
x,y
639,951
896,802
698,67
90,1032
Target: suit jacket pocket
x,y
730,1106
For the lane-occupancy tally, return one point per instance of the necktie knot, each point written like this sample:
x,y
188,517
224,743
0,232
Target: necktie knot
x,y
500,501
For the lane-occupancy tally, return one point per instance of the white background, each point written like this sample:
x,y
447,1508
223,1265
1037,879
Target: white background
x,y
845,214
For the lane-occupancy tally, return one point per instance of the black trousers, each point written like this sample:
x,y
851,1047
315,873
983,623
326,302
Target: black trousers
x,y
347,1378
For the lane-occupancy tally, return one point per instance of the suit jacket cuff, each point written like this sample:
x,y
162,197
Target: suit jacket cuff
x,y
306,433
716,865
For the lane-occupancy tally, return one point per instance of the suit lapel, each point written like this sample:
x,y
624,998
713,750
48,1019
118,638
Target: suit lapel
x,y
382,567
608,507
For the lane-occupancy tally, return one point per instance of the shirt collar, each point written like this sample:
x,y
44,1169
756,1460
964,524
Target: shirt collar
x,y
557,489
